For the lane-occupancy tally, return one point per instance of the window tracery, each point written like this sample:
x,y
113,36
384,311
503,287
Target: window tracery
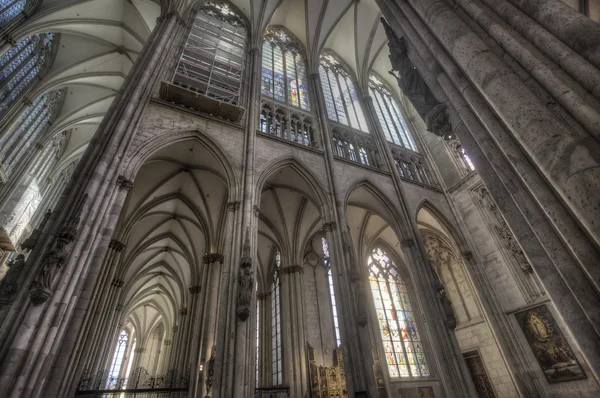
x,y
390,117
402,344
20,65
341,98
29,128
284,70
212,61
276,357
10,10
118,358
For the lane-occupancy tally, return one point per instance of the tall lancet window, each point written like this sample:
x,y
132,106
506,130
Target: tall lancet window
x,y
29,128
341,98
276,356
20,65
9,10
284,70
336,323
402,344
117,362
388,111
212,61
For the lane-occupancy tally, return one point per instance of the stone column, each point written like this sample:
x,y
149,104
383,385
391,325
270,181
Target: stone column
x,y
83,210
292,330
516,186
356,344
572,27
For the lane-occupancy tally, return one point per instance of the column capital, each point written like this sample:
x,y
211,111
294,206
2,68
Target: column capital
x,y
263,296
168,342
116,282
116,245
183,311
119,308
329,226
124,183
256,211
213,258
195,289
292,269
233,206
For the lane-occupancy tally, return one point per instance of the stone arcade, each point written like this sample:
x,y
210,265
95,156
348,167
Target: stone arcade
x,y
299,198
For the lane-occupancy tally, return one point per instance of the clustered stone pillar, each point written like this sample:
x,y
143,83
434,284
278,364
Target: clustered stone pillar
x,y
524,103
77,236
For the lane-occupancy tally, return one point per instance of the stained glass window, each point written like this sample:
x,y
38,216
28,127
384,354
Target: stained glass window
x,y
117,362
336,323
20,65
341,98
212,61
9,10
388,112
467,159
276,324
402,344
31,125
284,70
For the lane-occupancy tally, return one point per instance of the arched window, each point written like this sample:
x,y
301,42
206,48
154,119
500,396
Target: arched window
x,y
9,10
392,121
276,356
284,70
401,341
336,323
117,362
341,98
20,65
29,128
212,61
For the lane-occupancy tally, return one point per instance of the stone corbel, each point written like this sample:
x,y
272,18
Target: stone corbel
x,y
116,245
233,206
195,289
124,183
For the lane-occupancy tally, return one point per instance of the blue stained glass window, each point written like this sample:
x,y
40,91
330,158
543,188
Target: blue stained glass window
x,y
20,66
284,70
9,10
390,117
341,98
404,352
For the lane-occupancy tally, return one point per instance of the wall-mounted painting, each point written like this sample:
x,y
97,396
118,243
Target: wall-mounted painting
x,y
549,345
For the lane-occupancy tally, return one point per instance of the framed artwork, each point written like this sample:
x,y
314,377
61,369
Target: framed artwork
x,y
549,346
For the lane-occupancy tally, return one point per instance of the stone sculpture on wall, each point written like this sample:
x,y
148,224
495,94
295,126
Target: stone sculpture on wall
x,y
414,86
246,282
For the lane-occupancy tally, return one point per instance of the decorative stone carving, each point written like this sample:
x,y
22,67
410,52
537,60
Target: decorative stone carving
x,y
124,183
329,227
414,86
292,269
117,282
246,282
34,238
256,211
447,305
213,258
119,308
116,245
195,289
210,373
183,311
168,342
263,296
233,206
503,230
54,259
175,328
407,243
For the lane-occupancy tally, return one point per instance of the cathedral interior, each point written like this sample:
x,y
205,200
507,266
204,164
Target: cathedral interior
x,y
299,198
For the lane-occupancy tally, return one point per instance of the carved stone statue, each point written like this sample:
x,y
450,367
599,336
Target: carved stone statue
x,y
447,305
210,373
246,282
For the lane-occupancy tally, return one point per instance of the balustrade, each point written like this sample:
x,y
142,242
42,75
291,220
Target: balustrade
x,y
412,166
355,146
291,125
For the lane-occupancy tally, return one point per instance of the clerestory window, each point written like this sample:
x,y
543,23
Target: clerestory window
x,y
212,61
